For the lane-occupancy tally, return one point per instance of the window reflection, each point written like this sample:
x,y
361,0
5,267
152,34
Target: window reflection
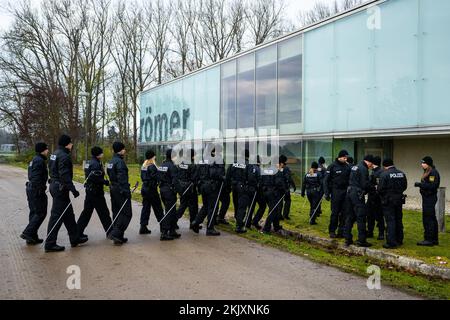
x,y
246,92
266,88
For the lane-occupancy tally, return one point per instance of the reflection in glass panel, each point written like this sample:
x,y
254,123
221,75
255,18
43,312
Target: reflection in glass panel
x,y
229,95
266,88
290,85
246,92
293,151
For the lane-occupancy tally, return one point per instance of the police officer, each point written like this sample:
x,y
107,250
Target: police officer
x,y
312,187
149,192
210,180
120,194
392,184
356,211
37,199
61,175
95,195
289,183
335,185
224,198
429,186
167,176
273,182
322,170
260,200
374,209
187,188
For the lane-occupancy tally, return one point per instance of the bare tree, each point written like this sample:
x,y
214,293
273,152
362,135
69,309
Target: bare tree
x,y
323,10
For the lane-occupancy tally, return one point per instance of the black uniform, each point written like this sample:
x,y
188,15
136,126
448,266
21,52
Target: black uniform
x,y
224,197
287,198
150,195
187,184
95,196
335,185
312,186
428,189
374,209
244,182
392,184
210,179
61,175
37,199
356,210
322,170
262,204
120,194
167,176
273,184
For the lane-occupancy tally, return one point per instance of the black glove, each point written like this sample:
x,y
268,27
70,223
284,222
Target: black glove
x,y
418,185
75,193
327,197
106,183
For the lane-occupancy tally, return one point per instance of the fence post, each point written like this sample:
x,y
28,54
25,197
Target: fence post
x,y
440,210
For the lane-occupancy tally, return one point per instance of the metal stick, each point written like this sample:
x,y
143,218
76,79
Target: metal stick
x,y
215,206
48,235
317,208
117,215
249,210
176,203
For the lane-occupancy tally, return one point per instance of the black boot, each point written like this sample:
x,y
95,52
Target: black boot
x,y
223,221
54,248
257,226
30,240
240,230
144,230
363,244
425,243
195,227
80,240
174,234
212,233
166,237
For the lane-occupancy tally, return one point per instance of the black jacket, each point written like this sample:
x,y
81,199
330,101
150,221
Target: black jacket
x,y
95,175
61,168
149,177
430,185
289,180
312,182
38,173
392,182
359,177
118,175
167,175
336,177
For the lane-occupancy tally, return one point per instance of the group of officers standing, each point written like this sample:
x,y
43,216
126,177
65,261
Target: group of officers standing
x,y
249,184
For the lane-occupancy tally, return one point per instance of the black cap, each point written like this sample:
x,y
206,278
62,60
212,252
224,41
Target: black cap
x,y
343,153
40,147
321,160
149,154
118,146
428,160
169,154
96,151
388,162
315,165
369,158
64,140
283,159
377,161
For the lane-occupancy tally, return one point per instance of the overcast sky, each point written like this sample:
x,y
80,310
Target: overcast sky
x,y
294,7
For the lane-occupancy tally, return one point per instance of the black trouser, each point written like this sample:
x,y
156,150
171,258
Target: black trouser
x,y
224,204
189,200
356,211
61,201
243,202
430,224
314,198
337,219
375,214
262,205
37,202
210,200
274,202
118,200
287,204
169,199
392,211
319,211
150,199
94,201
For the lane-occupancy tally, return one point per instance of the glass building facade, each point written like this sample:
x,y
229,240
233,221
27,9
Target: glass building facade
x,y
360,81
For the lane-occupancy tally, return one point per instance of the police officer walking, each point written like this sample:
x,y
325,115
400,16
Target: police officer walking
x,y
335,185
210,180
273,184
37,199
312,187
224,198
374,209
167,176
429,186
392,184
149,192
186,185
120,194
289,183
61,175
260,200
95,195
356,211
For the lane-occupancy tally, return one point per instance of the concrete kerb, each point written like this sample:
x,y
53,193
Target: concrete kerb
x,y
402,262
